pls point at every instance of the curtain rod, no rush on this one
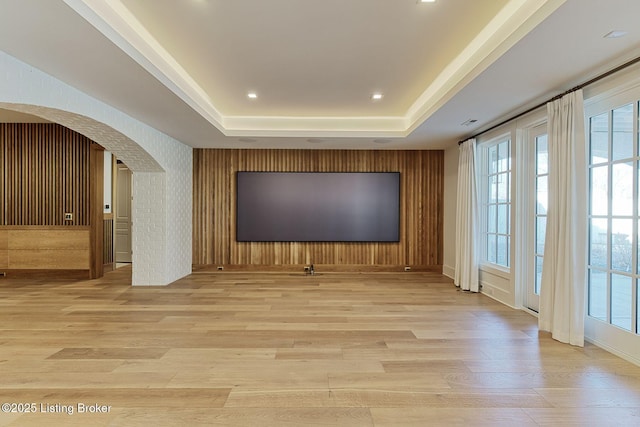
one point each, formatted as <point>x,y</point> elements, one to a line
<point>580,86</point>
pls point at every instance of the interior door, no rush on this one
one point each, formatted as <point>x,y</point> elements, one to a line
<point>123,214</point>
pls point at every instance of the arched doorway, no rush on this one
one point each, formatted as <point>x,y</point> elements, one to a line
<point>162,166</point>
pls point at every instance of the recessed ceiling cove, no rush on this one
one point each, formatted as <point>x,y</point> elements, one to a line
<point>315,64</point>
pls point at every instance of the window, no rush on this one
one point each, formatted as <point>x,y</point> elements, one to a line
<point>496,201</point>
<point>614,266</point>
<point>541,203</point>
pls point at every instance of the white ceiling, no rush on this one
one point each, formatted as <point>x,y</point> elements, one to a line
<point>185,67</point>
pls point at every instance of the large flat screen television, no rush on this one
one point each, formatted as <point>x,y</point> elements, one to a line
<point>318,207</point>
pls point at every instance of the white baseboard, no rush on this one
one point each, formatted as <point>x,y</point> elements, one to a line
<point>448,271</point>
<point>622,355</point>
<point>496,293</point>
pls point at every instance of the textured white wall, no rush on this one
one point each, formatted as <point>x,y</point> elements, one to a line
<point>162,167</point>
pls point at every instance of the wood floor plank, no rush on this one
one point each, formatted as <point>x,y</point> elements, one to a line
<point>279,349</point>
<point>235,417</point>
<point>532,380</point>
<point>122,397</point>
<point>445,417</point>
<point>622,397</point>
<point>299,398</point>
<point>250,381</point>
<point>109,353</point>
<point>372,398</point>
<point>578,417</point>
<point>424,381</point>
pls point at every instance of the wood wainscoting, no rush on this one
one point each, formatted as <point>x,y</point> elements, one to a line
<point>421,209</point>
<point>63,250</point>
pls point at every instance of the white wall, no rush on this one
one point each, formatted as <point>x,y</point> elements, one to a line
<point>162,167</point>
<point>108,182</point>
<point>451,155</point>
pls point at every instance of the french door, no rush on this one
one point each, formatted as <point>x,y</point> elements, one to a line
<point>613,316</point>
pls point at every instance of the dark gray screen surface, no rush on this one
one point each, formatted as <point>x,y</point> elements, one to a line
<point>318,207</point>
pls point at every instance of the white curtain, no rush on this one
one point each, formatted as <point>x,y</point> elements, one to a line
<point>562,291</point>
<point>466,274</point>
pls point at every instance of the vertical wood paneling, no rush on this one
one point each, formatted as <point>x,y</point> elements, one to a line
<point>107,231</point>
<point>95,177</point>
<point>421,207</point>
<point>49,170</point>
<point>46,172</point>
<point>3,174</point>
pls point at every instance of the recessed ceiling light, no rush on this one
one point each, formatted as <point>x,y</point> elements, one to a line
<point>426,1</point>
<point>376,96</point>
<point>252,95</point>
<point>615,34</point>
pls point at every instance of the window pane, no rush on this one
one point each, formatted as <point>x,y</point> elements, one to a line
<point>622,189</point>
<point>493,189</point>
<point>503,251</point>
<point>598,294</point>
<point>598,242</point>
<point>503,187</point>
<point>622,133</point>
<point>491,218</point>
<point>503,156</point>
<point>621,301</point>
<point>599,129</point>
<point>621,252</point>
<point>541,229</point>
<point>538,275</point>
<point>599,190</point>
<point>542,195</point>
<point>491,248</point>
<point>492,156</point>
<point>503,219</point>
<point>542,155</point>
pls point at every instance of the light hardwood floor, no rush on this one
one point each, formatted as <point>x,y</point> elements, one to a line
<point>276,349</point>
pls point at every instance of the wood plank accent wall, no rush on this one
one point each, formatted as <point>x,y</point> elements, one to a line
<point>421,210</point>
<point>47,174</point>
<point>48,170</point>
<point>107,231</point>
<point>3,177</point>
<point>96,204</point>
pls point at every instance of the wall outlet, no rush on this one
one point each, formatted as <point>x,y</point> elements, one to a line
<point>407,268</point>
<point>68,216</point>
<point>220,268</point>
